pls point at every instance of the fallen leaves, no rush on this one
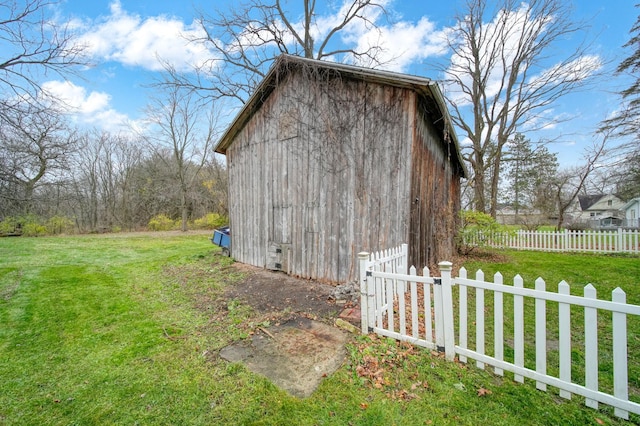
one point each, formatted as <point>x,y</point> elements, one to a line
<point>401,395</point>
<point>484,392</point>
<point>417,385</point>
<point>379,364</point>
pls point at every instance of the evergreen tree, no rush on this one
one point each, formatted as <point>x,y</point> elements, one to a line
<point>529,169</point>
<point>626,123</point>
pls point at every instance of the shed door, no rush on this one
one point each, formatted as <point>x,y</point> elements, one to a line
<point>278,257</point>
<point>279,239</point>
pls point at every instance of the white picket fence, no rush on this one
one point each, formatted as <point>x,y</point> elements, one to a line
<point>594,241</point>
<point>420,309</point>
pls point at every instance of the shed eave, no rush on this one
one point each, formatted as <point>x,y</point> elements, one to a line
<point>253,103</point>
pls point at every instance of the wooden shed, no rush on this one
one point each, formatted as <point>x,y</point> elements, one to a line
<point>326,160</point>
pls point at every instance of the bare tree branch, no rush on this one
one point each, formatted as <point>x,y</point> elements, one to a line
<point>570,182</point>
<point>247,38</point>
<point>33,45</point>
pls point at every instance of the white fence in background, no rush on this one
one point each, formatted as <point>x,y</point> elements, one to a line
<point>595,241</point>
<point>420,309</point>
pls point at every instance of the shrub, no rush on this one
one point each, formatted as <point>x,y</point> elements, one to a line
<point>477,229</point>
<point>28,225</point>
<point>10,225</point>
<point>33,229</point>
<point>210,221</point>
<point>577,226</point>
<point>59,225</point>
<point>161,222</point>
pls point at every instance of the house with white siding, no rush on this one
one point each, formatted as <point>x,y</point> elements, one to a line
<point>632,213</point>
<point>601,210</point>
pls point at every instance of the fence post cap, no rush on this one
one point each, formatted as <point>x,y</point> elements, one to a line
<point>445,265</point>
<point>363,255</point>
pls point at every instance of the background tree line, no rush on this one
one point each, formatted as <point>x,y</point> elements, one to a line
<point>97,182</point>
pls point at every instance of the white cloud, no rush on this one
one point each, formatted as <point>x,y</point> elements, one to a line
<point>85,108</point>
<point>404,43</point>
<point>400,44</point>
<point>134,41</point>
<point>576,70</point>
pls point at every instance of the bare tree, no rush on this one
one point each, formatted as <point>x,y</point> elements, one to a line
<point>32,45</point>
<point>500,79</point>
<point>103,186</point>
<point>568,183</point>
<point>36,147</point>
<point>186,129</point>
<point>246,39</point>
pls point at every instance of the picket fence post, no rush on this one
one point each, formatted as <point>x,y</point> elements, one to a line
<point>366,297</point>
<point>447,311</point>
<point>620,353</point>
<point>620,243</point>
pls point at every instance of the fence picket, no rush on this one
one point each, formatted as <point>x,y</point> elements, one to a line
<point>388,285</point>
<point>541,335</point>
<point>439,316</point>
<point>414,304</point>
<point>401,288</point>
<point>380,301</point>
<point>591,346</point>
<point>462,302</point>
<point>620,371</point>
<point>480,319</point>
<point>428,317</point>
<point>518,328</point>
<point>564,337</point>
<point>447,300</point>
<point>498,324</point>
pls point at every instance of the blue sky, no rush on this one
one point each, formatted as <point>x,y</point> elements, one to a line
<point>127,36</point>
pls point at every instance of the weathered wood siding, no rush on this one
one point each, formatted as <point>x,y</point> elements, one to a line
<point>435,194</point>
<point>322,171</point>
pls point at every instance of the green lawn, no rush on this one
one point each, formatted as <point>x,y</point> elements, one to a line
<point>125,329</point>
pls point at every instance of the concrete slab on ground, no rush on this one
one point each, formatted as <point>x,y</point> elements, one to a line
<point>295,355</point>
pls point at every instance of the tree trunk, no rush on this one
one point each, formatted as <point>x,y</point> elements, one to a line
<point>478,184</point>
<point>183,209</point>
<point>495,180</point>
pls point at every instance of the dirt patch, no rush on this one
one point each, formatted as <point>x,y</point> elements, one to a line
<point>269,291</point>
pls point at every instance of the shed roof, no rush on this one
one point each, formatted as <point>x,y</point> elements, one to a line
<point>284,63</point>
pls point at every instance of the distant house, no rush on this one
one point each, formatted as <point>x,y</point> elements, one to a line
<point>632,213</point>
<point>601,210</point>
<point>326,160</point>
